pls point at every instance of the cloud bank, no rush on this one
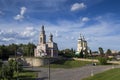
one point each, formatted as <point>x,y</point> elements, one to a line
<point>78,6</point>
<point>11,36</point>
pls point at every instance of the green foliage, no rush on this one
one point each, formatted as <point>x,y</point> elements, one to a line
<point>10,50</point>
<point>7,71</point>
<point>101,51</point>
<point>3,52</point>
<point>13,64</point>
<point>1,63</point>
<point>28,49</point>
<point>80,55</point>
<point>26,75</point>
<point>102,60</point>
<point>69,53</point>
<point>16,66</point>
<point>113,74</point>
<point>68,64</point>
<point>110,59</point>
<point>108,52</point>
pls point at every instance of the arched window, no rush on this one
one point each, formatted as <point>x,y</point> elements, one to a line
<point>40,39</point>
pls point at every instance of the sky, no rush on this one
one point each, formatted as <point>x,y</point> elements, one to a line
<point>97,20</point>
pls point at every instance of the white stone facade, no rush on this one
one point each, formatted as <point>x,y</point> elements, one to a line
<point>44,48</point>
<point>82,44</point>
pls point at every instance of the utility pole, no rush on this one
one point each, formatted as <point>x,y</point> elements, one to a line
<point>49,68</point>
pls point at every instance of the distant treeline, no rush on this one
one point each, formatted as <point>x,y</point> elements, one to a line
<point>16,49</point>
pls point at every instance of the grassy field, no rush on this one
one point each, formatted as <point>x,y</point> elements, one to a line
<point>113,74</point>
<point>68,64</point>
<point>26,74</point>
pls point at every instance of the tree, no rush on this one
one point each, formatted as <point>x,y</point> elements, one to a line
<point>1,63</point>
<point>7,72</point>
<point>102,60</point>
<point>13,64</point>
<point>81,54</point>
<point>108,52</point>
<point>28,49</point>
<point>0,53</point>
<point>11,49</point>
<point>4,52</point>
<point>101,51</point>
<point>16,66</point>
<point>86,53</point>
<point>69,53</point>
<point>91,52</point>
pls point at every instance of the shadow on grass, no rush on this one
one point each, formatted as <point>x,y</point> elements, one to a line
<point>27,78</point>
<point>25,71</point>
<point>107,64</point>
<point>61,62</point>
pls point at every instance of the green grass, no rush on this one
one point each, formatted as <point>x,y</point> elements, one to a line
<point>113,74</point>
<point>68,64</point>
<point>26,74</point>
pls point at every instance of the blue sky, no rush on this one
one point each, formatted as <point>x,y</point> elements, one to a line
<point>97,20</point>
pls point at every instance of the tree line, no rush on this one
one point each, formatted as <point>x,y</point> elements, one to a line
<point>14,49</point>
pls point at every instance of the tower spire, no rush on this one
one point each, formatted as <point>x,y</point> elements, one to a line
<point>42,29</point>
<point>83,38</point>
<point>51,38</point>
<point>42,39</point>
<point>80,36</point>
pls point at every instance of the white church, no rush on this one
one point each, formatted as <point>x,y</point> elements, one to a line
<point>82,45</point>
<point>44,48</point>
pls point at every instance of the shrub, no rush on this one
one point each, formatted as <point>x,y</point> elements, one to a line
<point>102,60</point>
<point>15,65</point>
<point>6,72</point>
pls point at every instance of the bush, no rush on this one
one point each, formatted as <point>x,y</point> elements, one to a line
<point>102,60</point>
<point>6,72</point>
<point>16,66</point>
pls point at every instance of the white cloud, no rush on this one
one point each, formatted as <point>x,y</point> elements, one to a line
<point>18,17</point>
<point>5,36</point>
<point>78,6</point>
<point>10,35</point>
<point>28,32</point>
<point>104,33</point>
<point>7,39</point>
<point>100,34</point>
<point>85,19</point>
<point>57,35</point>
<point>21,15</point>
<point>23,10</point>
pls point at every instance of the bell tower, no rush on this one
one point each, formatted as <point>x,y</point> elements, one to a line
<point>51,38</point>
<point>42,38</point>
<point>82,43</point>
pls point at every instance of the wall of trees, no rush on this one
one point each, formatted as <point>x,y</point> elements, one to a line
<point>13,49</point>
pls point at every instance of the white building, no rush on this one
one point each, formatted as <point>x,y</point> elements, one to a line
<point>44,48</point>
<point>82,45</point>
